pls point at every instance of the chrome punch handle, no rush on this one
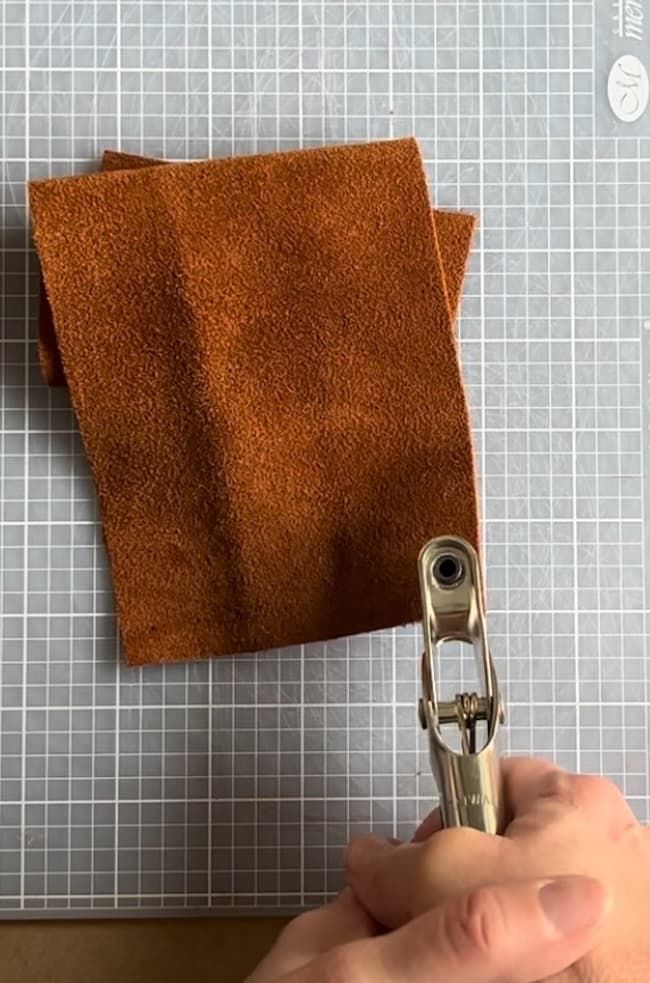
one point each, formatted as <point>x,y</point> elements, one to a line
<point>468,779</point>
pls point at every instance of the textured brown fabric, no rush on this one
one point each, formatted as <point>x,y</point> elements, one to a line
<point>261,357</point>
<point>454,232</point>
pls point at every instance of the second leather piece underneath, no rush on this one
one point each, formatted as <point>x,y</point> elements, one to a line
<point>261,356</point>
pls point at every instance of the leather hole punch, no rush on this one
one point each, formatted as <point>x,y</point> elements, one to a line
<point>452,610</point>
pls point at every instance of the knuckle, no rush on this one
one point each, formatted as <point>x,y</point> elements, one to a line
<point>558,785</point>
<point>445,848</point>
<point>449,865</point>
<point>590,790</point>
<point>423,894</point>
<point>477,925</point>
<point>440,872</point>
<point>576,797</point>
<point>580,790</point>
<point>433,858</point>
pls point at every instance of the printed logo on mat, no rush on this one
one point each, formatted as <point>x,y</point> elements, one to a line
<point>627,84</point>
<point>628,19</point>
<point>627,88</point>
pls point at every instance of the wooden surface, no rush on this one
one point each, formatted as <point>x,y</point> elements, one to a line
<point>196,950</point>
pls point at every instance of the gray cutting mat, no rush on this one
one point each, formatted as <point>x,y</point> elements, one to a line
<point>234,784</point>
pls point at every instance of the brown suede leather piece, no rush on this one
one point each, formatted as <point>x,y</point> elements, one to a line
<point>261,356</point>
<point>454,231</point>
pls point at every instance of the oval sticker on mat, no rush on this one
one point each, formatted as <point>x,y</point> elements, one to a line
<point>627,88</point>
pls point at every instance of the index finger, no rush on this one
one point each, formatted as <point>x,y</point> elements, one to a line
<point>522,781</point>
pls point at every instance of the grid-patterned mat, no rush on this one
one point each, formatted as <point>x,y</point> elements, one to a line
<point>234,784</point>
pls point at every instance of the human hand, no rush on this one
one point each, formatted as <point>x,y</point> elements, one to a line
<point>515,933</point>
<point>557,824</point>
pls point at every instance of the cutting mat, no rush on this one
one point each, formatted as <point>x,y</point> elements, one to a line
<point>234,784</point>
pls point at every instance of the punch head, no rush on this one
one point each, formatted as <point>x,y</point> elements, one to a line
<point>452,610</point>
<point>448,571</point>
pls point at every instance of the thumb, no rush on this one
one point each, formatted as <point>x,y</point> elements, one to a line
<point>518,932</point>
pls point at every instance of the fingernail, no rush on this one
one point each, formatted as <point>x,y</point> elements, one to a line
<point>573,904</point>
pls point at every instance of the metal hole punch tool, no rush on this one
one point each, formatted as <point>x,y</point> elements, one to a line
<point>468,780</point>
